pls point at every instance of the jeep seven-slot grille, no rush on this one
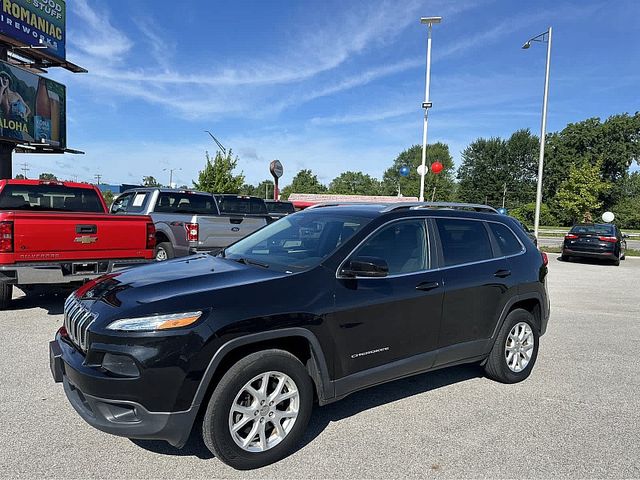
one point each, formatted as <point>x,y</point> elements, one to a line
<point>77,319</point>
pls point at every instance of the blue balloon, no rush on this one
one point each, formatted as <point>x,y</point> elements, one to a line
<point>502,211</point>
<point>404,171</point>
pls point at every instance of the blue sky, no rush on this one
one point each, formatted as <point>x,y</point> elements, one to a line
<point>327,85</point>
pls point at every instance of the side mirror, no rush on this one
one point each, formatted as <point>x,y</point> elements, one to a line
<point>371,267</point>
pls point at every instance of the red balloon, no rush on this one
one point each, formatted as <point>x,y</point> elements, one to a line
<point>436,167</point>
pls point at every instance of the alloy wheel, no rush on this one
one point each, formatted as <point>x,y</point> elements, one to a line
<point>519,347</point>
<point>264,411</point>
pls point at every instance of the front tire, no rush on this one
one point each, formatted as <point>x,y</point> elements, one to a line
<point>515,350</point>
<point>259,410</point>
<point>6,293</point>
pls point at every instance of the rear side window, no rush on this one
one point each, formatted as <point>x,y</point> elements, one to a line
<point>184,202</point>
<point>507,241</point>
<point>58,198</point>
<point>133,202</point>
<point>463,241</point>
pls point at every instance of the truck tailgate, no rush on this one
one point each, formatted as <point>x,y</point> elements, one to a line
<point>68,235</point>
<point>224,230</point>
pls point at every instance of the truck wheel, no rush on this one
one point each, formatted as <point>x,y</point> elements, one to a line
<point>515,350</point>
<point>164,251</point>
<point>259,410</point>
<point>6,292</point>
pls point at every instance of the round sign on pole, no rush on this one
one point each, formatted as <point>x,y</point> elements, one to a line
<point>422,168</point>
<point>608,217</point>
<point>404,171</point>
<point>276,168</point>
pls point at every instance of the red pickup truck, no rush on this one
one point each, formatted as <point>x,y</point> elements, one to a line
<point>60,232</point>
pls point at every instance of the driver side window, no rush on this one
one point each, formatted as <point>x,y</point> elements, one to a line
<point>402,244</point>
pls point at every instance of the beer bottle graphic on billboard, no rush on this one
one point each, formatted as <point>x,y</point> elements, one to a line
<point>42,121</point>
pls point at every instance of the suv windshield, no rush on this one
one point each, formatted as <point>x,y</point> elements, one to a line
<point>593,230</point>
<point>50,197</point>
<point>296,242</point>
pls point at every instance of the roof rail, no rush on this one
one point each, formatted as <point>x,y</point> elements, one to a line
<point>444,205</point>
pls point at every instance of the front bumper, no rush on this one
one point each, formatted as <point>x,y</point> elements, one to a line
<point>64,271</point>
<point>124,418</point>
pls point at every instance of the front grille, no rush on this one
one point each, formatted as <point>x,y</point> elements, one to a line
<point>77,319</point>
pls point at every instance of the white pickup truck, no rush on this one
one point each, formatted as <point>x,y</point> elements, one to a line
<point>186,221</point>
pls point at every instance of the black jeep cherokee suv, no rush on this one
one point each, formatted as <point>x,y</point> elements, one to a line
<point>316,306</point>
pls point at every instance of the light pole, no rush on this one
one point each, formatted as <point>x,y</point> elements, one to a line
<point>171,170</point>
<point>426,104</point>
<point>544,37</point>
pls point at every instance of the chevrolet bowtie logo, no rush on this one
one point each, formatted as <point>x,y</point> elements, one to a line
<point>85,239</point>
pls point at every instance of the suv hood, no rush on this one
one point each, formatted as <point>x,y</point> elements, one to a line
<point>158,284</point>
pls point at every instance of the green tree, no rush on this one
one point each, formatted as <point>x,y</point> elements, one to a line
<point>218,176</point>
<point>355,183</point>
<point>627,208</point>
<point>493,169</point>
<point>20,177</point>
<point>614,144</point>
<point>526,214</point>
<point>264,189</point>
<point>108,197</point>
<point>150,182</point>
<point>247,189</point>
<point>409,186</point>
<point>47,176</point>
<point>305,181</point>
<point>579,195</point>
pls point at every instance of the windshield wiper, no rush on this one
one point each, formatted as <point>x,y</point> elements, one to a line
<point>249,261</point>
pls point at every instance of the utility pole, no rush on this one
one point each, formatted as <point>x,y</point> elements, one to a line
<point>427,103</point>
<point>171,170</point>
<point>97,176</point>
<point>544,37</point>
<point>25,168</point>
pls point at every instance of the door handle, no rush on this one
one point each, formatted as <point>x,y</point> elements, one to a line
<point>502,273</point>
<point>426,286</point>
<point>86,229</point>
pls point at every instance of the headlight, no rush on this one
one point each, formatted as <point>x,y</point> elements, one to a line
<point>155,322</point>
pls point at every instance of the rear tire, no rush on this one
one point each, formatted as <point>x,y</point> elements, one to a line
<point>239,425</point>
<point>6,293</point>
<point>164,251</point>
<point>565,258</point>
<point>515,350</point>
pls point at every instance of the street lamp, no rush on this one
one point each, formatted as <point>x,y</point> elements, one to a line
<point>544,37</point>
<point>171,170</point>
<point>426,104</point>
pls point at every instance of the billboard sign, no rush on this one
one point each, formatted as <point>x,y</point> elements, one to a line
<point>32,108</point>
<point>35,23</point>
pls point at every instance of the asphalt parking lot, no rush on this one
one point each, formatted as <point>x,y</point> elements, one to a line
<point>576,416</point>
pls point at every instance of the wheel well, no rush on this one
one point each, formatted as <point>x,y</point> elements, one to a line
<point>531,305</point>
<point>297,346</point>
<point>161,237</point>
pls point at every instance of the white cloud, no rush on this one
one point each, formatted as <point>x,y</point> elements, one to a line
<point>99,38</point>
